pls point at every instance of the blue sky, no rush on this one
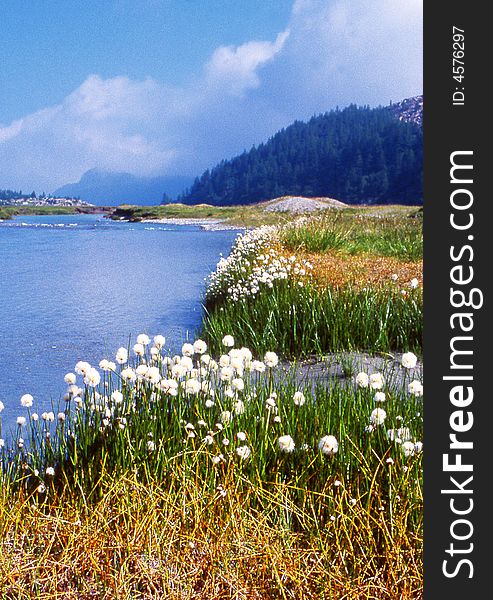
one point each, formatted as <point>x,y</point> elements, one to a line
<point>172,86</point>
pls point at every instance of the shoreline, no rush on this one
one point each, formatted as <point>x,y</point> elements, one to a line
<point>204,223</point>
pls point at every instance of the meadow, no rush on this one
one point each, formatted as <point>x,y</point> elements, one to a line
<point>220,472</point>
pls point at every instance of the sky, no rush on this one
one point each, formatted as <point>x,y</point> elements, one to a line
<point>171,87</point>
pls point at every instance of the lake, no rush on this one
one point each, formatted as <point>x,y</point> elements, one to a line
<point>77,287</point>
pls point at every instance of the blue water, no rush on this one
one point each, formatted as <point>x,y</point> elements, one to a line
<point>77,287</point>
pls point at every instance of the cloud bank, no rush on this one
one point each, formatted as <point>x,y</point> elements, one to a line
<point>332,52</point>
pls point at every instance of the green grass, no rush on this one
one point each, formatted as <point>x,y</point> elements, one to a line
<point>355,233</point>
<point>307,321</point>
<point>7,212</point>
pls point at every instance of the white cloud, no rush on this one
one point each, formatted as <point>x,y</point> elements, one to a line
<point>235,68</point>
<point>333,52</point>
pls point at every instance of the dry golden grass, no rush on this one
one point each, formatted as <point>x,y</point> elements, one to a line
<point>145,542</point>
<point>340,269</point>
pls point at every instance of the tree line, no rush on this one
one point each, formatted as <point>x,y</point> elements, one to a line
<point>357,155</point>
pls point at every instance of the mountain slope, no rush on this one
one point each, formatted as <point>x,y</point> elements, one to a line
<point>358,155</point>
<point>103,187</point>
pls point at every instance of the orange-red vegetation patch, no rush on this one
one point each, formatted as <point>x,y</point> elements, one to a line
<point>340,269</point>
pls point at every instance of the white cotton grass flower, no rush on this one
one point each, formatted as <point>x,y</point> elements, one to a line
<point>200,347</point>
<point>209,440</point>
<point>376,381</point>
<point>378,416</point>
<point>34,417</point>
<point>379,397</point>
<point>50,472</point>
<point>328,445</point>
<point>121,356</point>
<point>187,350</point>
<point>258,366</point>
<point>241,435</point>
<point>2,443</point>
<point>139,349</point>
<point>151,446</point>
<point>238,384</point>
<point>92,377</point>
<point>362,380</point>
<point>48,416</point>
<point>21,421</point>
<point>218,459</point>
<point>409,360</point>
<point>2,406</point>
<point>117,397</point>
<point>82,367</point>
<point>277,419</point>
<point>286,443</point>
<point>128,374</point>
<point>407,449</point>
<point>143,339</point>
<point>299,398</point>
<point>414,283</point>
<point>159,341</point>
<point>27,401</point>
<point>271,359</point>
<point>70,378</point>
<point>418,447</point>
<point>415,388</point>
<point>61,417</point>
<point>400,435</point>
<point>228,341</point>
<point>243,452</point>
<point>225,416</point>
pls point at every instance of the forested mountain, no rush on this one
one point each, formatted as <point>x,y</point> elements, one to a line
<point>357,155</point>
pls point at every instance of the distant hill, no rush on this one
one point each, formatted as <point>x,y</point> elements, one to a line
<point>111,189</point>
<point>357,155</point>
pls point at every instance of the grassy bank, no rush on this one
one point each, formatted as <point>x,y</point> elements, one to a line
<point>328,283</point>
<point>8,212</point>
<point>191,477</point>
<point>218,472</point>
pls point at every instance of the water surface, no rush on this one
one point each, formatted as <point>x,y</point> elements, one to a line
<point>76,287</point>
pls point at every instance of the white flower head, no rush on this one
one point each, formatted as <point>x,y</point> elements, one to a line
<point>139,349</point>
<point>379,397</point>
<point>121,356</point>
<point>82,367</point>
<point>21,421</point>
<point>159,341</point>
<point>143,339</point>
<point>407,448</point>
<point>409,360</point>
<point>378,416</point>
<point>243,452</point>
<point>50,472</point>
<point>286,443</point>
<point>187,350</point>
<point>228,341</point>
<point>362,380</point>
<point>70,378</point>
<point>376,381</point>
<point>299,399</point>
<point>271,359</point>
<point>328,445</point>
<point>199,347</point>
<point>2,406</point>
<point>27,400</point>
<point>415,388</point>
<point>414,283</point>
<point>92,377</point>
